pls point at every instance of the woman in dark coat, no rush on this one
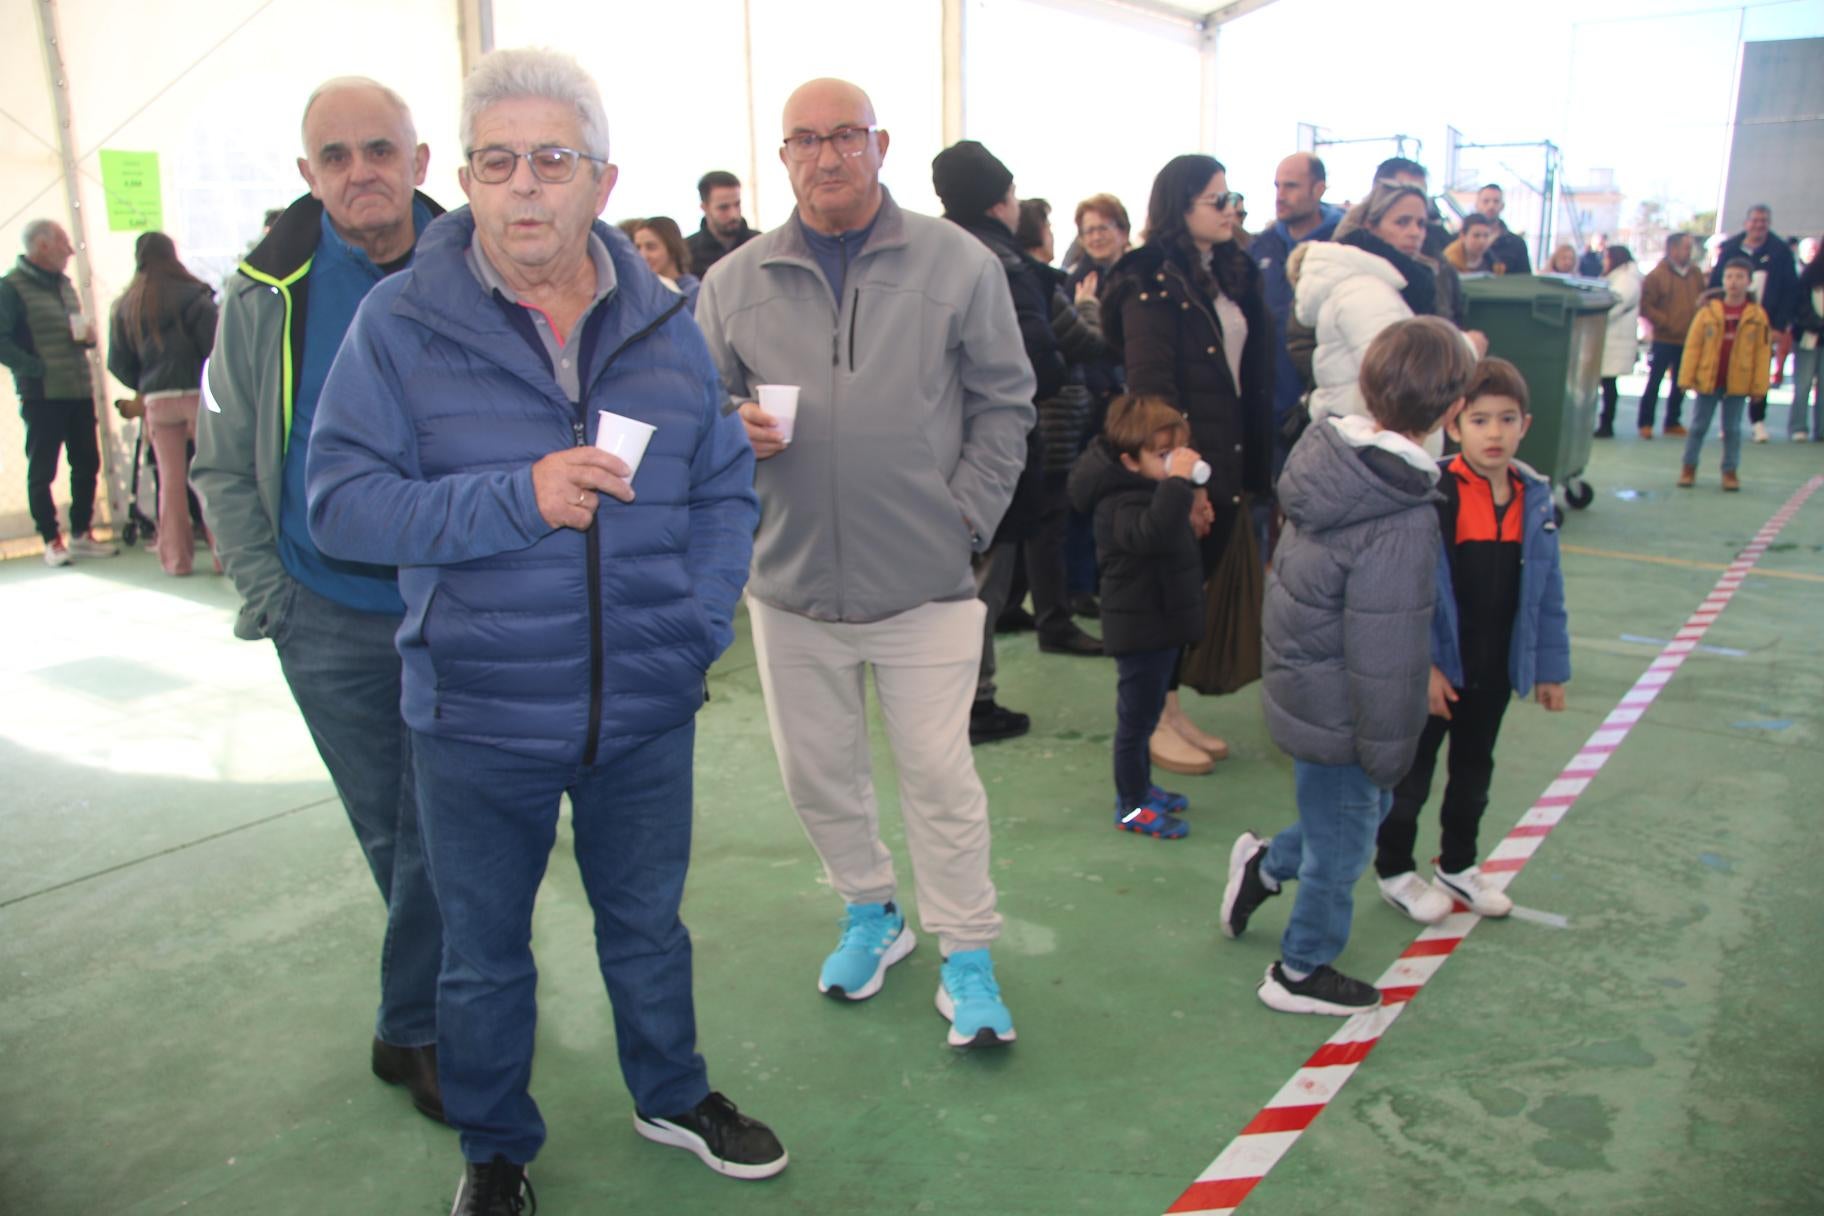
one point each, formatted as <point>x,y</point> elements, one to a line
<point>1186,313</point>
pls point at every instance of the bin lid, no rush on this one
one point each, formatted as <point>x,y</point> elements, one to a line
<point>1553,292</point>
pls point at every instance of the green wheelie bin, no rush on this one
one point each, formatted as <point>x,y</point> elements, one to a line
<point>1551,327</point>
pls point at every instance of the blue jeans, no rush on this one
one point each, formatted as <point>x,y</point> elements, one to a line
<point>1701,414</point>
<point>1141,683</point>
<point>490,818</point>
<point>344,675</point>
<point>1807,387</point>
<point>1339,813</point>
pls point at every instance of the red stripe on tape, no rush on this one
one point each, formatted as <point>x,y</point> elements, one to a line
<point>1332,1054</point>
<point>1214,1195</point>
<point>1282,1119</point>
<point>1427,947</point>
<point>1395,996</point>
<point>1533,829</point>
<point>1503,865</point>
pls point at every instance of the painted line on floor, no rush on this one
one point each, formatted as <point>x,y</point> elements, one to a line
<point>1685,563</point>
<point>1240,1167</point>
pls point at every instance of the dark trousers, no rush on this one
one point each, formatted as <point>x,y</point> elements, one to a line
<point>1141,682</point>
<point>1473,726</point>
<point>490,819</point>
<point>1662,364</point>
<point>344,674</point>
<point>1611,394</point>
<point>1045,570</point>
<point>50,427</point>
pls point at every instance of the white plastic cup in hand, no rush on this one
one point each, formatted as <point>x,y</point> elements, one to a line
<point>781,401</point>
<point>1200,472</point>
<point>79,327</point>
<point>624,437</point>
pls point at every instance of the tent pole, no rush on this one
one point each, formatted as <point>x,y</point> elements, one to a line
<point>953,71</point>
<point>57,81</point>
<point>475,26</point>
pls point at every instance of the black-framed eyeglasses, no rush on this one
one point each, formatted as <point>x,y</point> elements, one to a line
<point>553,166</point>
<point>848,141</point>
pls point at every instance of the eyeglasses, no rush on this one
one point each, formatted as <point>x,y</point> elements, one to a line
<point>553,166</point>
<point>1221,202</point>
<point>1095,230</point>
<point>848,141</point>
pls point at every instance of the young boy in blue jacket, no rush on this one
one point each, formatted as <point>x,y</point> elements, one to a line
<point>1499,631</point>
<point>1346,649</point>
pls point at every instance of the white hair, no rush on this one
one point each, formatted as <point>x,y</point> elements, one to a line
<point>36,231</point>
<point>540,73</point>
<point>336,84</point>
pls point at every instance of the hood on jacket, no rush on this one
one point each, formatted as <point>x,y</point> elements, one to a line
<point>1099,473</point>
<point>1328,265</point>
<point>1717,294</point>
<point>294,236</point>
<point>1348,472</point>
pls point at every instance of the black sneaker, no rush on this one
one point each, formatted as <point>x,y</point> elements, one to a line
<point>1014,619</point>
<point>1086,606</point>
<point>723,1138</point>
<point>498,1188</point>
<point>1075,642</point>
<point>1245,891</point>
<point>1325,990</point>
<point>990,723</point>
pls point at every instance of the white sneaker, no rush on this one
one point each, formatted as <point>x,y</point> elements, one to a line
<point>1801,436</point>
<point>1474,889</point>
<point>1760,432</point>
<point>86,545</point>
<point>1416,898</point>
<point>56,553</point>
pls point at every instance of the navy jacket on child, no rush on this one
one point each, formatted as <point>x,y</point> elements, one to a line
<point>1152,574</point>
<point>1540,652</point>
<point>1346,643</point>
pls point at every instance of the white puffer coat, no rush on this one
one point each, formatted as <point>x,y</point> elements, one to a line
<point>1621,344</point>
<point>1347,295</point>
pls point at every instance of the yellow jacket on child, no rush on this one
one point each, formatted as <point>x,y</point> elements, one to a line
<point>1749,358</point>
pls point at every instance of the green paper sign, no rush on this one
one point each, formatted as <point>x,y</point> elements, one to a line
<point>130,180</point>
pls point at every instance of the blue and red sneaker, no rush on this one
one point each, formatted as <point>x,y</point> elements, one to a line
<point>1151,819</point>
<point>1166,800</point>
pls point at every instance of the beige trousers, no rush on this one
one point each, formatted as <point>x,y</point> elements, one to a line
<point>814,676</point>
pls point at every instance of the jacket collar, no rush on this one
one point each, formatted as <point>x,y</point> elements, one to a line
<point>788,243</point>
<point>48,278</point>
<point>295,235</point>
<point>1329,216</point>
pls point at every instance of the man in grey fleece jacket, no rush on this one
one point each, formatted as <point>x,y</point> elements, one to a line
<point>915,398</point>
<point>1347,648</point>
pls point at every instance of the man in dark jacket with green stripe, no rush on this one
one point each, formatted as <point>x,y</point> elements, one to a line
<point>46,340</point>
<point>283,319</point>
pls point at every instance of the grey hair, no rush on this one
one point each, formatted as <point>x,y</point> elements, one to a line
<point>1385,195</point>
<point>1764,209</point>
<point>36,231</point>
<point>538,73</point>
<point>337,83</point>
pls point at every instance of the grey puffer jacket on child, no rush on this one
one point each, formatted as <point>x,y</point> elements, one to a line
<point>1347,630</point>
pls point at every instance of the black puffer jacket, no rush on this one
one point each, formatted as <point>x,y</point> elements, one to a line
<point>1167,334</point>
<point>172,360</point>
<point>1152,570</point>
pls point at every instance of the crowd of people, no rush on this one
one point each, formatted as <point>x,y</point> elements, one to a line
<point>407,444</point>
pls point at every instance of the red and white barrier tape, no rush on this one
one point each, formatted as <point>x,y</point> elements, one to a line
<point>1239,1168</point>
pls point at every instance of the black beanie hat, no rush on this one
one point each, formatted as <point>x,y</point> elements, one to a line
<point>969,179</point>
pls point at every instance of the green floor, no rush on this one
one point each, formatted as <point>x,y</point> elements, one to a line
<point>188,936</point>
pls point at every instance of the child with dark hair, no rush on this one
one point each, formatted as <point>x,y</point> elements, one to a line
<point>1137,481</point>
<point>1347,651</point>
<point>1727,353</point>
<point>1499,631</point>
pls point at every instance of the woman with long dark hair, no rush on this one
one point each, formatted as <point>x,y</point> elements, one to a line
<point>1186,313</point>
<point>163,328</point>
<point>1807,420</point>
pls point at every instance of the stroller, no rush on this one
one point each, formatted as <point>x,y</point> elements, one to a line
<point>138,522</point>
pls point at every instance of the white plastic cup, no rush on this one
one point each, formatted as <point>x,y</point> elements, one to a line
<point>624,437</point>
<point>79,327</point>
<point>781,401</point>
<point>1200,472</point>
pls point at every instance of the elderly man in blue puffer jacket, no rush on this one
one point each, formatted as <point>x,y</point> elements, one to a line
<point>561,607</point>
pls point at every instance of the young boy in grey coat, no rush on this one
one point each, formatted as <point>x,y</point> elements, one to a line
<point>1347,650</point>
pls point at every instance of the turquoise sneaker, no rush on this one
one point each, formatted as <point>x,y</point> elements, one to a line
<point>874,937</point>
<point>969,997</point>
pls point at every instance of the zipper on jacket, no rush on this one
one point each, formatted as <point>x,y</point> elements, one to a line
<point>854,311</point>
<point>579,430</point>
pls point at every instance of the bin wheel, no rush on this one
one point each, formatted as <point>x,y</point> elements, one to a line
<point>130,534</point>
<point>1557,515</point>
<point>1578,494</point>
